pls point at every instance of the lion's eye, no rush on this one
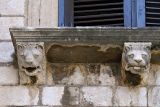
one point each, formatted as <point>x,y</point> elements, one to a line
<point>144,55</point>
<point>36,55</point>
<point>22,55</point>
<point>131,55</point>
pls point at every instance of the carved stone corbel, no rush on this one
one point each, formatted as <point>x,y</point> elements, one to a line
<point>31,62</point>
<point>135,63</point>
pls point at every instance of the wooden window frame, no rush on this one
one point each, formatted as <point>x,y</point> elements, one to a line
<point>134,13</point>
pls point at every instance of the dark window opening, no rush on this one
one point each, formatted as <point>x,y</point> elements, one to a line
<point>98,13</point>
<point>152,12</point>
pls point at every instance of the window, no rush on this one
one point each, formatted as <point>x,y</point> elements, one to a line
<point>127,13</point>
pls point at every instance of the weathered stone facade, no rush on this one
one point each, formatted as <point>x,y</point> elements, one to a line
<point>66,84</point>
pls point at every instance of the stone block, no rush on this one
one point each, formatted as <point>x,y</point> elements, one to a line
<point>52,95</point>
<point>154,75</point>
<point>125,96</point>
<point>96,96</point>
<point>9,75</point>
<point>154,97</point>
<point>60,96</point>
<point>6,52</point>
<point>6,23</point>
<point>18,95</point>
<point>12,7</point>
<point>70,96</point>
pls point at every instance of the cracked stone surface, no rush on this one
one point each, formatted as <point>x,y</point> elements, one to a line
<point>96,96</point>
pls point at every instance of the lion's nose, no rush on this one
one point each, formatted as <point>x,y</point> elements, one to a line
<point>138,60</point>
<point>29,59</point>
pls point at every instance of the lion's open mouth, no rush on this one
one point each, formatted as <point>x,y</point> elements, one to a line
<point>137,67</point>
<point>31,69</point>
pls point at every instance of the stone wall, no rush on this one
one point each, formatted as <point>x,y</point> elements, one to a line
<point>78,85</point>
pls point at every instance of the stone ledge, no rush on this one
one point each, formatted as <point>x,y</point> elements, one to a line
<point>87,44</point>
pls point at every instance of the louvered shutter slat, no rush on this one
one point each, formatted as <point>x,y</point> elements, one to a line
<point>98,13</point>
<point>152,12</point>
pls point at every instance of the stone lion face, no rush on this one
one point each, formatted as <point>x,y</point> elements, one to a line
<point>30,58</point>
<point>136,57</point>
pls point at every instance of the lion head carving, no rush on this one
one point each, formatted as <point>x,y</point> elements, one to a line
<point>136,59</point>
<point>30,58</point>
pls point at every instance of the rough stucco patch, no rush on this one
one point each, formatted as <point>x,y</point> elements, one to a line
<point>71,74</point>
<point>82,74</point>
<point>96,96</point>
<point>154,97</point>
<point>101,75</point>
<point>125,96</point>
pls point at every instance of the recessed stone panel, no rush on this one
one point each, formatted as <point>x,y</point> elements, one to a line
<point>83,53</point>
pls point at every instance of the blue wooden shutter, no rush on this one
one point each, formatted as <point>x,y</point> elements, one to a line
<point>138,13</point>
<point>65,13</point>
<point>61,13</point>
<point>127,13</point>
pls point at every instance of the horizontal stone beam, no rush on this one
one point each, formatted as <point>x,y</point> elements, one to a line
<point>87,44</point>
